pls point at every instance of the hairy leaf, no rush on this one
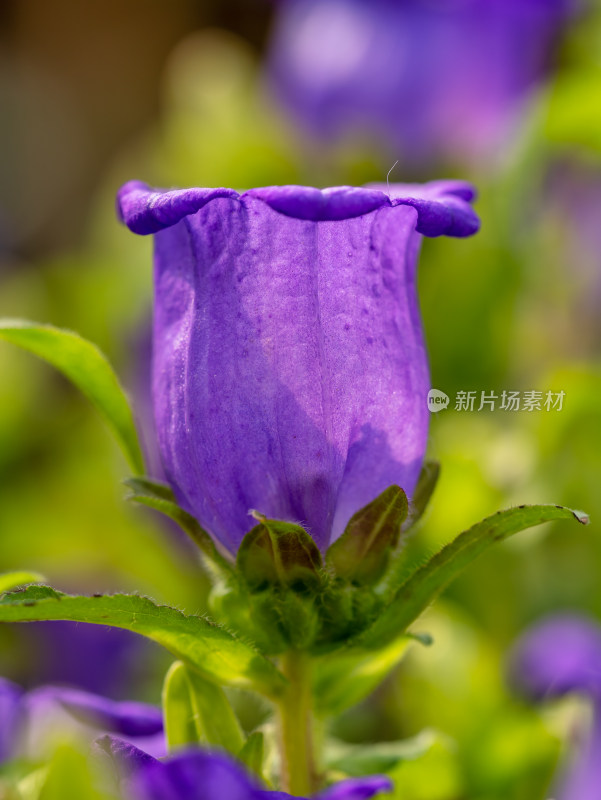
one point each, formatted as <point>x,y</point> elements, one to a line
<point>160,497</point>
<point>205,645</point>
<point>426,583</point>
<point>10,580</point>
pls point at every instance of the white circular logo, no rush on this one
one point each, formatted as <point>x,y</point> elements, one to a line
<point>437,400</point>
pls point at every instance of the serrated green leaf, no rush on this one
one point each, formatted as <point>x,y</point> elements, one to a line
<point>198,641</point>
<point>160,497</point>
<point>278,553</point>
<point>426,583</point>
<point>178,714</point>
<point>85,366</point>
<point>10,580</point>
<point>345,678</point>
<point>426,484</point>
<point>252,753</point>
<point>362,552</point>
<point>214,717</point>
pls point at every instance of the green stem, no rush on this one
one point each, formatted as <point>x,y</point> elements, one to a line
<point>296,724</point>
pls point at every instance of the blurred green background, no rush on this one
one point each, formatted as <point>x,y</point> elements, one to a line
<point>94,94</point>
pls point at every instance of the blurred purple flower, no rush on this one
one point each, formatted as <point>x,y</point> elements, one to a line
<point>572,198</point>
<point>26,718</point>
<point>203,775</point>
<point>430,77</point>
<point>290,372</point>
<point>11,719</point>
<point>98,659</point>
<point>562,655</point>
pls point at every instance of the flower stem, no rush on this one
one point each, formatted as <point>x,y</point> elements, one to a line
<point>296,724</point>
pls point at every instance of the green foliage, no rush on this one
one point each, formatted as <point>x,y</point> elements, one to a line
<point>160,497</point>
<point>356,760</point>
<point>198,711</point>
<point>83,364</point>
<point>198,641</point>
<point>10,580</point>
<point>214,717</point>
<point>70,776</point>
<point>346,677</point>
<point>362,553</point>
<point>252,753</point>
<point>178,714</point>
<point>421,588</point>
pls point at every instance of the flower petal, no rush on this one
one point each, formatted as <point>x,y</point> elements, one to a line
<point>11,718</point>
<point>357,788</point>
<point>443,206</point>
<point>126,758</point>
<point>559,655</point>
<point>126,718</point>
<point>193,775</point>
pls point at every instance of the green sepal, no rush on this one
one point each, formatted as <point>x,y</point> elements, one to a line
<point>198,641</point>
<point>344,611</point>
<point>252,753</point>
<point>276,553</point>
<point>160,497</point>
<point>426,484</point>
<point>281,619</point>
<point>362,553</point>
<point>428,581</point>
<point>178,714</point>
<point>10,580</point>
<point>232,603</point>
<point>85,366</point>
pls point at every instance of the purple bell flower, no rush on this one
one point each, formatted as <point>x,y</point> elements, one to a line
<point>204,775</point>
<point>430,77</point>
<point>290,371</point>
<point>562,655</point>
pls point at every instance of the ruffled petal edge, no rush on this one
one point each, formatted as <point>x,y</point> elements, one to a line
<point>443,207</point>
